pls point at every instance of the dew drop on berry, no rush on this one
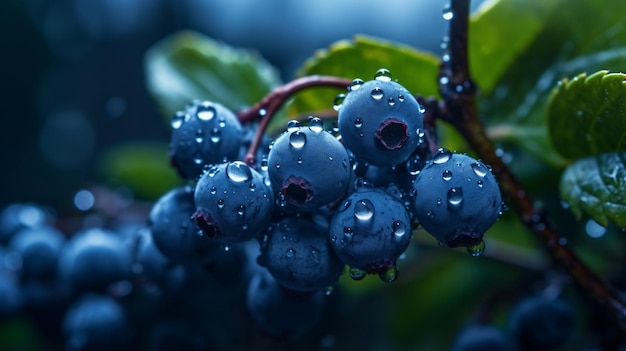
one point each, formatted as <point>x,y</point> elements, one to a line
<point>364,210</point>
<point>197,158</point>
<point>442,155</point>
<point>178,120</point>
<point>399,229</point>
<point>430,214</point>
<point>221,122</point>
<point>455,197</point>
<point>338,101</point>
<point>238,172</point>
<point>316,125</point>
<point>264,166</point>
<point>290,253</point>
<point>348,233</point>
<point>277,165</point>
<point>199,136</point>
<point>358,123</point>
<point>480,183</point>
<point>477,249</point>
<point>479,169</point>
<point>297,139</point>
<point>400,97</point>
<point>447,13</point>
<point>215,135</point>
<point>345,205</point>
<point>241,210</point>
<point>421,108</point>
<point>329,290</point>
<point>390,275</point>
<point>205,112</point>
<point>447,175</point>
<point>293,126</point>
<point>356,84</point>
<point>356,273</point>
<point>299,160</point>
<point>213,190</point>
<point>220,203</point>
<point>212,171</point>
<point>383,75</point>
<point>391,101</point>
<point>377,93</point>
<point>252,187</point>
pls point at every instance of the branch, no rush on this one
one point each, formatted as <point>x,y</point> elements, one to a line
<point>267,107</point>
<point>459,109</point>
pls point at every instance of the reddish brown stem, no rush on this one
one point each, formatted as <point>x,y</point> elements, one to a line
<point>459,109</point>
<point>267,107</point>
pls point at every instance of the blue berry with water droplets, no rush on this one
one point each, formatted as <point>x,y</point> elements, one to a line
<point>370,229</point>
<point>456,199</point>
<point>381,122</point>
<point>297,253</point>
<point>308,167</point>
<point>233,202</point>
<point>203,133</point>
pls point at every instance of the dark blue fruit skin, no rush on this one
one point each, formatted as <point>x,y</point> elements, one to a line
<point>312,174</point>
<point>174,232</point>
<point>361,116</point>
<point>197,141</point>
<point>540,323</point>
<point>372,244</point>
<point>17,216</point>
<point>10,294</point>
<point>93,259</point>
<point>233,203</point>
<point>297,253</point>
<point>39,247</point>
<point>479,337</point>
<point>279,312</point>
<point>95,322</point>
<point>453,224</point>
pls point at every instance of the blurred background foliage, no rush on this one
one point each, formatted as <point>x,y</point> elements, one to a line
<point>92,84</point>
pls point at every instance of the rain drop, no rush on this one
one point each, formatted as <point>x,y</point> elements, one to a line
<point>345,205</point>
<point>455,197</point>
<point>377,93</point>
<point>220,203</point>
<point>361,183</point>
<point>316,125</point>
<point>348,233</point>
<point>442,155</point>
<point>390,275</point>
<point>358,123</point>
<point>421,108</point>
<point>391,101</point>
<point>447,175</point>
<point>293,126</point>
<point>221,122</point>
<point>399,229</point>
<point>205,112</point>
<point>197,158</point>
<point>297,139</point>
<point>199,136</point>
<point>356,84</point>
<point>241,210</point>
<point>213,171</point>
<point>238,172</point>
<point>338,101</point>
<point>215,135</point>
<point>364,210</point>
<point>213,190</point>
<point>447,13</point>
<point>357,273</point>
<point>262,112</point>
<point>479,169</point>
<point>299,160</point>
<point>290,253</point>
<point>477,249</point>
<point>178,120</point>
<point>383,75</point>
<point>252,187</point>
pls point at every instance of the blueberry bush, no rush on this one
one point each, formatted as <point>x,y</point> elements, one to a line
<point>385,197</point>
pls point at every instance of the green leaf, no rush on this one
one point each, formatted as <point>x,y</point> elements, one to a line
<point>361,57</point>
<point>189,65</point>
<point>492,29</point>
<point>586,115</point>
<point>596,186</point>
<point>142,167</point>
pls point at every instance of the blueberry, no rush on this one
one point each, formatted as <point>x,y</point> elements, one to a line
<point>39,248</point>
<point>482,337</point>
<point>297,253</point>
<point>203,133</point>
<point>10,294</point>
<point>233,202</point>
<point>174,232</point>
<point>308,167</point>
<point>456,199</point>
<point>381,122</point>
<point>369,231</point>
<point>541,323</point>
<point>17,216</point>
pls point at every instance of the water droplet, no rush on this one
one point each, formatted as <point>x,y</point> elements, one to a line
<point>477,249</point>
<point>356,84</point>
<point>447,175</point>
<point>215,135</point>
<point>391,101</point>
<point>316,125</point>
<point>262,112</point>
<point>333,238</point>
<point>282,201</point>
<point>252,187</point>
<point>361,183</point>
<point>377,93</point>
<point>264,166</point>
<point>443,80</point>
<point>221,122</point>
<point>178,119</point>
<point>338,101</point>
<point>205,111</point>
<point>480,169</point>
<point>383,75</point>
<point>345,205</point>
<point>479,183</point>
<point>421,108</point>
<point>220,203</point>
<point>226,247</point>
<point>442,155</point>
<point>390,275</point>
<point>241,210</point>
<point>399,229</point>
<point>213,170</point>
<point>297,139</point>
<point>199,136</point>
<point>197,158</point>
<point>213,190</point>
<point>293,126</point>
<point>238,172</point>
<point>414,165</point>
<point>277,165</point>
<point>329,290</point>
<point>358,123</point>
<point>455,197</point>
<point>438,202</point>
<point>348,233</point>
<point>447,13</point>
<point>299,160</point>
<point>364,210</point>
<point>357,273</point>
<point>430,214</point>
<point>290,253</point>
<point>400,97</point>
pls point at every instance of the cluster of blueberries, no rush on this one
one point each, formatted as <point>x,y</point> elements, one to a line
<point>277,233</point>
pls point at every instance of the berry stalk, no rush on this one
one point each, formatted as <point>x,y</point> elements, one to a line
<point>459,109</point>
